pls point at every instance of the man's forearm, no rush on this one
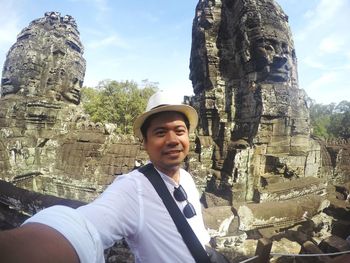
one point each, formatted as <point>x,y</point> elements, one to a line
<point>35,242</point>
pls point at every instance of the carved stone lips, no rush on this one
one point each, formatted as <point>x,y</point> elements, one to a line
<point>5,81</point>
<point>75,92</point>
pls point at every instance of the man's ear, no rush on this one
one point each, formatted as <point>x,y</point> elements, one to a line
<point>144,144</point>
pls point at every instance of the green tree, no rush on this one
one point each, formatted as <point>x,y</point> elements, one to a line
<point>345,124</point>
<point>320,119</point>
<point>331,121</point>
<point>343,108</point>
<point>117,102</point>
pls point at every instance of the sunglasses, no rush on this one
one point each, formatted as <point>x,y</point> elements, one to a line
<point>180,195</point>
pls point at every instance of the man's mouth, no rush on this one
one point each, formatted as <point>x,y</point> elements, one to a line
<point>172,152</point>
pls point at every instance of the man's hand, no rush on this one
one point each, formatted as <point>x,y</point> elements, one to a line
<point>35,242</point>
<point>341,259</point>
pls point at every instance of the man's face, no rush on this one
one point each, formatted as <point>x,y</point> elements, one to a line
<point>167,142</point>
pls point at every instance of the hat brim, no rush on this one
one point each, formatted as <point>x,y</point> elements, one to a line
<point>187,110</point>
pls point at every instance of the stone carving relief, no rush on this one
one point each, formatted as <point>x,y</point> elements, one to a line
<point>47,143</point>
<point>244,75</point>
<point>46,61</point>
<point>265,171</point>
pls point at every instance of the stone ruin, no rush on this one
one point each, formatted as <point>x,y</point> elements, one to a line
<point>48,144</point>
<point>261,172</point>
<point>243,70</point>
<point>254,142</point>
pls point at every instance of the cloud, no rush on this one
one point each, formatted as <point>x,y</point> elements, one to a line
<point>8,32</point>
<point>109,41</point>
<point>332,44</point>
<point>322,47</point>
<point>102,5</point>
<point>101,9</point>
<point>328,87</point>
<point>149,17</point>
<point>326,12</point>
<point>327,16</point>
<point>180,87</point>
<point>9,23</point>
<point>311,62</point>
<point>9,28</point>
<point>323,80</point>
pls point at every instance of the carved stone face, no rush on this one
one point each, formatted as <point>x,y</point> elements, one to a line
<point>9,84</point>
<point>267,44</point>
<point>272,58</point>
<point>65,79</point>
<point>71,89</point>
<point>46,61</point>
<point>19,71</point>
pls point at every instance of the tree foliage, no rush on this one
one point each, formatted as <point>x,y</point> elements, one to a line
<point>117,102</point>
<point>331,121</point>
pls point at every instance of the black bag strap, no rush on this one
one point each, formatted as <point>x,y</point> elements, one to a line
<point>189,237</point>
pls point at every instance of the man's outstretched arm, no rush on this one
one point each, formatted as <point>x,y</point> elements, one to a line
<point>35,242</point>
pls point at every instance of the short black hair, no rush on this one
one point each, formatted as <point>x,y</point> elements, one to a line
<point>148,121</point>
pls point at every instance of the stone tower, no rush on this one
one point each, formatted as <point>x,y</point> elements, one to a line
<point>244,74</point>
<point>46,61</point>
<point>47,143</point>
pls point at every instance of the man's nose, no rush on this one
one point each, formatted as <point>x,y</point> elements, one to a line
<point>171,138</point>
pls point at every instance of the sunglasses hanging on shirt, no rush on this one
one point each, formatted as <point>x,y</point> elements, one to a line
<point>181,195</point>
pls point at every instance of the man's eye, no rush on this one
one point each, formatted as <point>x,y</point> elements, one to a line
<point>160,133</point>
<point>180,131</point>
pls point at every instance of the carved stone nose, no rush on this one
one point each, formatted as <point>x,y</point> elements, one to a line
<point>5,81</point>
<point>279,61</point>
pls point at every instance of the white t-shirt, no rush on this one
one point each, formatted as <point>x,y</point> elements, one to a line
<point>131,208</point>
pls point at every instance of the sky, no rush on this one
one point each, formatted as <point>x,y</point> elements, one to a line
<point>151,40</point>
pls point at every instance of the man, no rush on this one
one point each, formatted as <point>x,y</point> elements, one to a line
<point>130,207</point>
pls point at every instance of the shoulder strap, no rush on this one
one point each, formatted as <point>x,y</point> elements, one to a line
<point>189,237</point>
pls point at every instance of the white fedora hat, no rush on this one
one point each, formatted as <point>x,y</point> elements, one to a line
<point>160,102</point>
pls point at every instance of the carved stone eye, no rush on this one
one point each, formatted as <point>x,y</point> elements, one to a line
<point>269,48</point>
<point>285,48</point>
